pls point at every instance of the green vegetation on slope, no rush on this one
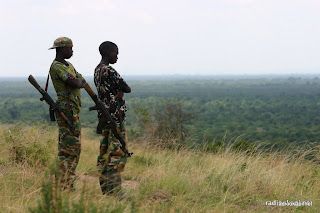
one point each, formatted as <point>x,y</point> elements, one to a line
<point>155,179</point>
<point>261,109</point>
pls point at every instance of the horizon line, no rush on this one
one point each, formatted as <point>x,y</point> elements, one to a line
<point>193,75</point>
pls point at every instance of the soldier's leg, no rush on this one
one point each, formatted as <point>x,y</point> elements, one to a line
<point>103,158</point>
<point>111,180</point>
<point>116,163</point>
<point>68,153</point>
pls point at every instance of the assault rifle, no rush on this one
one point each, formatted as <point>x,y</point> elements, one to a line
<point>50,102</point>
<point>107,116</point>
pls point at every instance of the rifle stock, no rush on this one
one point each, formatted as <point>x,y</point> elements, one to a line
<point>106,114</point>
<point>50,101</point>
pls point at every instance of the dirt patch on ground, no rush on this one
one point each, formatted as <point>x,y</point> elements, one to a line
<point>130,184</point>
<point>91,181</point>
<point>160,196</point>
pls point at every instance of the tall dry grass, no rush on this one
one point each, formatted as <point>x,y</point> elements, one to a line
<point>160,180</point>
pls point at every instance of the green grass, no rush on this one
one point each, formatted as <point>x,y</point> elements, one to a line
<point>155,179</point>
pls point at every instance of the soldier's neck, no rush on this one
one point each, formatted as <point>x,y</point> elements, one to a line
<point>104,61</point>
<point>61,60</point>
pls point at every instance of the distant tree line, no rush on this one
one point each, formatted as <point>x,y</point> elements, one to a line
<point>279,110</point>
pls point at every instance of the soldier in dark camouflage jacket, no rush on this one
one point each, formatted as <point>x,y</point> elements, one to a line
<point>110,86</point>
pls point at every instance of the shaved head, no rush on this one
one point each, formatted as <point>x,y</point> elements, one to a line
<point>106,47</point>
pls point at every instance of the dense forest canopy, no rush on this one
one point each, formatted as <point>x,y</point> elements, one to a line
<point>202,109</point>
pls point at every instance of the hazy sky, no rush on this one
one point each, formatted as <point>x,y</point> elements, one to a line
<point>155,37</point>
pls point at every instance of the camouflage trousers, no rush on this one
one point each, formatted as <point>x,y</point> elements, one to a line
<point>69,149</point>
<point>111,161</point>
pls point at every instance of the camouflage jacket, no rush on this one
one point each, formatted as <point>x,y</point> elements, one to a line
<point>108,83</point>
<point>68,98</point>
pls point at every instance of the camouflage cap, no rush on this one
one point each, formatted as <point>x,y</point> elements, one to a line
<point>62,42</point>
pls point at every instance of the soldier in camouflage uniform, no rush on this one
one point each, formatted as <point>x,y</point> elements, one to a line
<point>67,83</point>
<point>110,86</point>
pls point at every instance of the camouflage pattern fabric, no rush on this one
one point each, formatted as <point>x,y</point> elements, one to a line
<point>107,81</point>
<point>68,97</point>
<point>69,147</point>
<point>62,42</point>
<point>111,160</point>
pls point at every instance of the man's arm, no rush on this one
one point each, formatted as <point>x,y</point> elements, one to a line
<point>76,82</point>
<point>124,87</point>
<point>61,72</point>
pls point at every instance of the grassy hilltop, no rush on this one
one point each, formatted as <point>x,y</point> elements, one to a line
<point>155,179</point>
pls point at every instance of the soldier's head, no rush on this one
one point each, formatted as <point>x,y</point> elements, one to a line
<point>63,46</point>
<point>109,51</point>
